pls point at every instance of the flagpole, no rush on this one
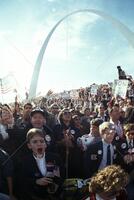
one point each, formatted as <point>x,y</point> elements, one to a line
<point>2,98</point>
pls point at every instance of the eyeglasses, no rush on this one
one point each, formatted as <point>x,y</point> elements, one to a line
<point>66,113</point>
<point>130,132</point>
<point>77,119</point>
<point>110,130</point>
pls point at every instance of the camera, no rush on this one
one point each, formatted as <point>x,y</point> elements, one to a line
<point>52,187</point>
<point>121,73</point>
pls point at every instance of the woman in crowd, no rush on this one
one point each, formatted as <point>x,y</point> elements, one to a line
<point>66,142</point>
<point>109,184</point>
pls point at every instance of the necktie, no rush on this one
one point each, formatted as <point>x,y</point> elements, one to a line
<point>130,145</point>
<point>108,155</point>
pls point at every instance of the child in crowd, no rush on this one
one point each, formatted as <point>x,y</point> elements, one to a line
<point>40,174</point>
<point>102,153</point>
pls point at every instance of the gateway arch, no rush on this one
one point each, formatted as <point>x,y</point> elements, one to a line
<point>123,29</point>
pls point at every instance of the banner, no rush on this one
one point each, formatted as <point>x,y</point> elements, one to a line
<point>94,89</point>
<point>74,94</point>
<point>121,88</point>
<point>65,95</point>
<point>114,85</point>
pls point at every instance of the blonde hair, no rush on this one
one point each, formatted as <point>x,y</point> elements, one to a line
<point>109,179</point>
<point>104,126</point>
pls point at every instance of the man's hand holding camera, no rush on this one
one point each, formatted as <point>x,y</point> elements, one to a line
<point>44,181</point>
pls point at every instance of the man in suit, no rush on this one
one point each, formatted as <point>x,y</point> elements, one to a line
<point>126,156</point>
<point>101,154</point>
<point>126,148</point>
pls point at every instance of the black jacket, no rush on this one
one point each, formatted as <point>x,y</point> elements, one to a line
<point>29,173</point>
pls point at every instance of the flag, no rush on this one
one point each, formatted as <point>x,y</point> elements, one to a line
<point>49,93</point>
<point>8,84</point>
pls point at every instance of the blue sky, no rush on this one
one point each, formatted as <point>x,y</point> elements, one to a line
<point>84,49</point>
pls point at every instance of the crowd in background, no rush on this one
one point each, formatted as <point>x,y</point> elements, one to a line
<point>77,130</point>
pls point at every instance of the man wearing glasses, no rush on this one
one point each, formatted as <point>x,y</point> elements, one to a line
<point>101,154</point>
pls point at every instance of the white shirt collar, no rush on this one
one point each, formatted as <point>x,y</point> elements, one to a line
<point>105,143</point>
<point>37,158</point>
<point>99,198</point>
<point>41,163</point>
<point>128,141</point>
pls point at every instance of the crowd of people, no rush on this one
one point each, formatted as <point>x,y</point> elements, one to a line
<point>86,142</point>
